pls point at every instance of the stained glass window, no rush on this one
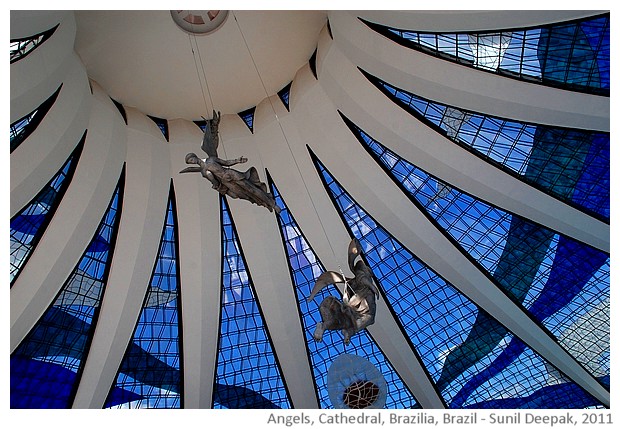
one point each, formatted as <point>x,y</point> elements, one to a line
<point>459,343</point>
<point>121,109</point>
<point>150,375</point>
<point>248,117</point>
<point>569,164</point>
<point>28,226</point>
<point>162,124</point>
<point>571,55</point>
<point>305,268</point>
<point>20,48</point>
<point>248,374</point>
<point>563,283</point>
<point>24,126</point>
<point>312,64</point>
<point>284,95</point>
<point>47,365</point>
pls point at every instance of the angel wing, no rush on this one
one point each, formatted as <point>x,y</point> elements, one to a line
<point>210,141</point>
<point>355,249</point>
<point>327,278</point>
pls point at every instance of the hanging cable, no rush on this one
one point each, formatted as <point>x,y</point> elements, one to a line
<point>288,145</point>
<point>204,76</point>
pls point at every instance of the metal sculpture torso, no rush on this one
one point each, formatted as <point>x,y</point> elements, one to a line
<point>228,181</point>
<point>357,309</point>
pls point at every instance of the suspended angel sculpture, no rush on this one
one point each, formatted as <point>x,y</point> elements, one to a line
<point>228,181</point>
<point>357,309</point>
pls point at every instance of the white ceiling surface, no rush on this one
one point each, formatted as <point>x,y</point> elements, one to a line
<point>143,60</point>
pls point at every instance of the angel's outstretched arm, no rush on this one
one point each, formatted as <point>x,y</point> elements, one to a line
<point>231,162</point>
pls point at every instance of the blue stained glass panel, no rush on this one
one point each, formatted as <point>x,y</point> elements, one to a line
<point>23,127</point>
<point>284,95</point>
<point>440,320</point>
<point>555,273</point>
<point>20,48</point>
<point>29,224</point>
<point>573,55</point>
<point>569,164</point>
<point>151,368</point>
<point>62,336</point>
<point>248,117</point>
<point>247,374</point>
<point>305,268</point>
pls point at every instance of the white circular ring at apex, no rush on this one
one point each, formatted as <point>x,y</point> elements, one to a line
<point>199,22</point>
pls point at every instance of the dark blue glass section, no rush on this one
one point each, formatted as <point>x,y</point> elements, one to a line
<point>156,338</point>
<point>62,336</point>
<point>563,275</point>
<point>248,117</point>
<point>162,124</point>
<point>569,164</point>
<point>305,268</point>
<point>28,226</point>
<point>451,334</point>
<point>23,127</point>
<point>53,388</point>
<point>21,47</point>
<point>248,374</point>
<point>573,55</point>
<point>284,95</point>
<point>565,395</point>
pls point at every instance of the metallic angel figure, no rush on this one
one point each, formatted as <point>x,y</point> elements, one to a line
<point>357,309</point>
<point>228,181</point>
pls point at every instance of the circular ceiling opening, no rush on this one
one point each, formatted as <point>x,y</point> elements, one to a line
<point>199,21</point>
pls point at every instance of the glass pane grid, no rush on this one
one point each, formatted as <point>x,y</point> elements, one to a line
<point>476,351</point>
<point>553,275</point>
<point>23,127</point>
<point>150,373</point>
<point>247,374</point>
<point>305,268</point>
<point>573,55</point>
<point>45,366</point>
<point>19,48</point>
<point>566,163</point>
<point>27,226</point>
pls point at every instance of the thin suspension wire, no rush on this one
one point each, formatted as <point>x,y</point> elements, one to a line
<point>204,76</point>
<point>198,73</point>
<point>288,145</point>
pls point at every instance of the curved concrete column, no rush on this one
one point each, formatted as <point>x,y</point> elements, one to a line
<point>464,87</point>
<point>200,265</point>
<point>282,144</point>
<point>75,220</point>
<point>469,20</point>
<point>380,197</point>
<point>386,122</point>
<point>36,160</point>
<point>35,77</point>
<point>258,231</point>
<point>144,211</point>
